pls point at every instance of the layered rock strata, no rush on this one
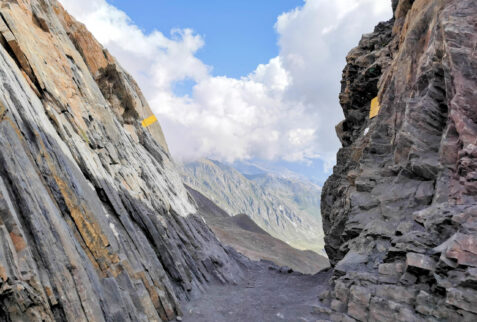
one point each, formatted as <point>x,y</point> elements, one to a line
<point>400,210</point>
<point>95,223</point>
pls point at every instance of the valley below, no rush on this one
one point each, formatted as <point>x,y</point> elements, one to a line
<point>244,235</point>
<point>286,207</point>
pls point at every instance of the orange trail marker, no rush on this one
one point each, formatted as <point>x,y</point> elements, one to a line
<point>375,106</point>
<point>149,121</point>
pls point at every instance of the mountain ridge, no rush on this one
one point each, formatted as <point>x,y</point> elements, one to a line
<point>245,236</point>
<point>288,209</point>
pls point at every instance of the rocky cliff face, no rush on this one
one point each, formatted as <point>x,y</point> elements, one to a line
<point>286,209</point>
<point>95,223</point>
<point>400,210</point>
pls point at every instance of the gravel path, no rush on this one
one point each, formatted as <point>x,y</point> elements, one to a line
<point>264,295</point>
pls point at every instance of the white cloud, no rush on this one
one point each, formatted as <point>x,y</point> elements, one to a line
<point>285,109</point>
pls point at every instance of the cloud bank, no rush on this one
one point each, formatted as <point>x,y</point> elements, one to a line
<point>285,109</point>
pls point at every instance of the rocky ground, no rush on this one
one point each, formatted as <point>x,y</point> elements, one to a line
<point>266,294</point>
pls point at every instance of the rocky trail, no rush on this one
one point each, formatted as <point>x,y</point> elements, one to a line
<point>265,294</point>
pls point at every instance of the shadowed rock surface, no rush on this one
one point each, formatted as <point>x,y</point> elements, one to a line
<point>241,233</point>
<point>400,210</point>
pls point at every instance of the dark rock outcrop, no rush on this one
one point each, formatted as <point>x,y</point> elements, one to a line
<point>400,210</point>
<point>95,223</point>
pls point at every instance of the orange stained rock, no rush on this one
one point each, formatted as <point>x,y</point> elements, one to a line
<point>43,60</point>
<point>3,273</point>
<point>93,53</point>
<point>18,241</point>
<point>157,295</point>
<point>98,61</point>
<point>3,111</point>
<point>90,230</point>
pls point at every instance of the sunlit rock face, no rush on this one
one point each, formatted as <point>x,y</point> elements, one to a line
<point>400,210</point>
<point>95,223</point>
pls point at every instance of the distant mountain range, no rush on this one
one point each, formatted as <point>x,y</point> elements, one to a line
<point>310,171</point>
<point>285,206</point>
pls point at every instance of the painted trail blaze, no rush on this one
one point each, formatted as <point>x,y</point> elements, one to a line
<point>375,106</point>
<point>149,121</point>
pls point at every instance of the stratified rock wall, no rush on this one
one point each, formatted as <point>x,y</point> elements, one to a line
<point>95,223</point>
<point>400,210</point>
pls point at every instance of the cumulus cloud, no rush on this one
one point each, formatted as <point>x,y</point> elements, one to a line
<point>284,109</point>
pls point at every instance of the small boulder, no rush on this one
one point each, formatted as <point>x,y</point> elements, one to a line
<point>462,298</point>
<point>392,269</point>
<point>463,249</point>
<point>420,262</point>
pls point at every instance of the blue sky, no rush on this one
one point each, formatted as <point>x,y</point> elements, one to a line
<point>239,35</point>
<point>238,80</point>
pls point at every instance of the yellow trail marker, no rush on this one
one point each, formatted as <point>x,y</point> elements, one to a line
<point>375,106</point>
<point>149,121</point>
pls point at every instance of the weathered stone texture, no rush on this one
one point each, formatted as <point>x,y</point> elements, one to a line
<point>95,223</point>
<point>399,211</point>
